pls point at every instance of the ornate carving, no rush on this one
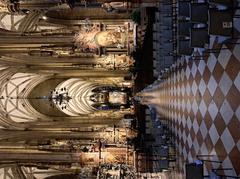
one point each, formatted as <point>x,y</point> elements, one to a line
<point>116,171</point>
<point>122,62</point>
<point>4,6</point>
<point>115,7</point>
<point>109,38</point>
<point>91,38</point>
<point>85,39</point>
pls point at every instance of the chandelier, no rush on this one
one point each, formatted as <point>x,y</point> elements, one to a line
<point>60,97</point>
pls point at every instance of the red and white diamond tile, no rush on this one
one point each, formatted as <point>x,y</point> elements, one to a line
<point>202,100</point>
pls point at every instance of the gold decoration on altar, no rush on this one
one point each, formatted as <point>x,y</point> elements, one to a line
<point>122,62</point>
<point>111,38</point>
<point>92,38</point>
<point>85,39</point>
<point>117,97</point>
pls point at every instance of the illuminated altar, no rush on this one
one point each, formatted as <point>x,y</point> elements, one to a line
<point>93,36</point>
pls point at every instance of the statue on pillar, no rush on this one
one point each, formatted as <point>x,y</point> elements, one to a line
<point>3,6</point>
<point>115,7</point>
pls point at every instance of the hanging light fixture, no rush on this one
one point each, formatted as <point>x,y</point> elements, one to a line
<point>60,97</point>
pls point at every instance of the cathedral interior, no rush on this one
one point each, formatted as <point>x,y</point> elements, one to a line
<point>111,89</point>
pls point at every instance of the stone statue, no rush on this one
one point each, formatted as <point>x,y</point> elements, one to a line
<point>115,7</point>
<point>3,6</point>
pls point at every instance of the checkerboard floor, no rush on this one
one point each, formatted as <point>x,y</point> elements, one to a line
<point>201,98</point>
